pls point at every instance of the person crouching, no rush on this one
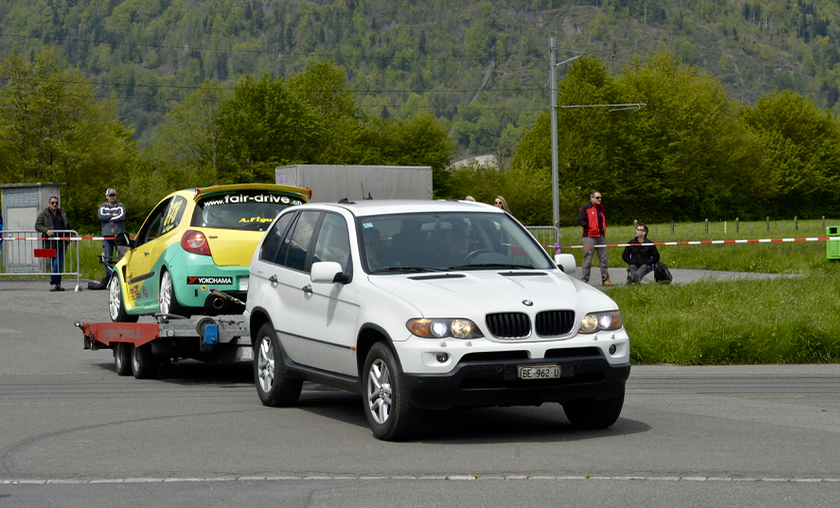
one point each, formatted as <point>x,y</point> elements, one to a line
<point>641,255</point>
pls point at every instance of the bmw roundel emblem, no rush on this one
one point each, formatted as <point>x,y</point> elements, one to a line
<point>527,303</point>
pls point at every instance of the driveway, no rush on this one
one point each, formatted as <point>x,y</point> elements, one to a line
<point>618,275</point>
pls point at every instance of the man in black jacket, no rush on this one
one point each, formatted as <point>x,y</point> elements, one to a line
<point>641,255</point>
<point>52,223</point>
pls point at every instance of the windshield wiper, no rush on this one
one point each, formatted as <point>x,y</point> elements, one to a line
<point>406,269</point>
<point>491,265</point>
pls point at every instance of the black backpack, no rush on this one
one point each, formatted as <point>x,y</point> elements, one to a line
<point>661,273</point>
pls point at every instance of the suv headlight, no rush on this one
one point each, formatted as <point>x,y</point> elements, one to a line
<point>598,321</point>
<point>458,328</point>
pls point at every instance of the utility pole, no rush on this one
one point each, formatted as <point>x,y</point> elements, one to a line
<point>553,85</point>
<point>555,178</point>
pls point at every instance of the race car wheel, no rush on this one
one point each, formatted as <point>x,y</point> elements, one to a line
<point>168,303</point>
<point>116,304</point>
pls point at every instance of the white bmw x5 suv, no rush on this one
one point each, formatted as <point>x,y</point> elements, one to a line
<point>429,305</point>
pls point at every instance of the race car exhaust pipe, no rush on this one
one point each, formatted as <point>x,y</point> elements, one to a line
<point>224,296</point>
<point>217,303</point>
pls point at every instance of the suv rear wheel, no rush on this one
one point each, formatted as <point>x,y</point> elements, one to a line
<point>274,387</point>
<point>387,410</point>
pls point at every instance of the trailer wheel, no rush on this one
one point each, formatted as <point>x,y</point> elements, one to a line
<point>144,364</point>
<point>122,358</point>
<point>116,305</point>
<point>274,387</point>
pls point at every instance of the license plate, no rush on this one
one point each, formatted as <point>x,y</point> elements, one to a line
<point>243,283</point>
<point>540,372</point>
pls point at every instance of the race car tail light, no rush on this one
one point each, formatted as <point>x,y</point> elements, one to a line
<point>195,242</point>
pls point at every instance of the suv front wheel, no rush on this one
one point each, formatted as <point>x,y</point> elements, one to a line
<point>593,414</point>
<point>387,410</point>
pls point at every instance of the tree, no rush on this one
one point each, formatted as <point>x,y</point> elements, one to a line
<point>800,167</point>
<point>685,150</point>
<point>52,128</point>
<point>683,156</point>
<point>311,118</point>
<point>420,141</point>
<point>189,138</point>
<point>307,119</point>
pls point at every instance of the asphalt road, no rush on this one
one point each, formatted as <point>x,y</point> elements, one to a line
<point>74,434</point>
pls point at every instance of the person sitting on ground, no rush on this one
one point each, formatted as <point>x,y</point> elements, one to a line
<point>641,255</point>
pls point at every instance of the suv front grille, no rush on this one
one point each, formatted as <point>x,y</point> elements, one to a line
<point>509,325</point>
<point>517,325</point>
<point>552,323</point>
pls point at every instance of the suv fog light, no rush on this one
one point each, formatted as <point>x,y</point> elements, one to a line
<point>612,349</point>
<point>442,357</point>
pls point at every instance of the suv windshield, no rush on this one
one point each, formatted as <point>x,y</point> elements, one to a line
<point>251,210</point>
<point>447,241</point>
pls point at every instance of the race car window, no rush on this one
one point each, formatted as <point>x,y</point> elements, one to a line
<point>151,228</point>
<point>251,210</point>
<point>173,214</point>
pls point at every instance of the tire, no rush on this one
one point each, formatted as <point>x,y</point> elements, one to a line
<point>388,413</point>
<point>593,414</point>
<point>122,358</point>
<point>144,365</point>
<point>166,297</point>
<point>116,304</point>
<point>274,387</point>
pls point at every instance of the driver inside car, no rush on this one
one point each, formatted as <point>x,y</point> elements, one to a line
<point>457,245</point>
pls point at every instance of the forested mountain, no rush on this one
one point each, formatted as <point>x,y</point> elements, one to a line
<point>482,65</point>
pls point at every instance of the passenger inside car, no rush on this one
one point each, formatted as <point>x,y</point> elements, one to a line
<point>373,246</point>
<point>409,245</point>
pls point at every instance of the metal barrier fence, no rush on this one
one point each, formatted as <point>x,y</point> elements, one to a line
<point>548,236</point>
<point>25,253</point>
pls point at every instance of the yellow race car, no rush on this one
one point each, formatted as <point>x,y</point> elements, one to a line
<point>193,252</point>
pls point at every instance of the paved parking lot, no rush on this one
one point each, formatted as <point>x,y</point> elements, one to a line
<point>75,434</point>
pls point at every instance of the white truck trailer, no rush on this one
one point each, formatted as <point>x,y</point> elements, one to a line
<point>331,183</point>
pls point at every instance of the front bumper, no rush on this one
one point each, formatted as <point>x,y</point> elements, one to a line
<point>495,383</point>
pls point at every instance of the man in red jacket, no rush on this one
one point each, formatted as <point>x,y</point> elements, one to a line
<point>594,223</point>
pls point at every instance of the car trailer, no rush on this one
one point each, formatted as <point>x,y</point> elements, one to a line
<point>139,348</point>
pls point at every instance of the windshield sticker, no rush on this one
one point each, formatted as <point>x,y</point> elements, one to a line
<point>248,198</point>
<point>258,220</point>
<point>367,225</point>
<point>172,215</point>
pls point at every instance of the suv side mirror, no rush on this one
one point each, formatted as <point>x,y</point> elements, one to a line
<point>565,262</point>
<point>328,272</point>
<point>123,240</point>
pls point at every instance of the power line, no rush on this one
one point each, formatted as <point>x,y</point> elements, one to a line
<point>349,90</point>
<point>189,47</point>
